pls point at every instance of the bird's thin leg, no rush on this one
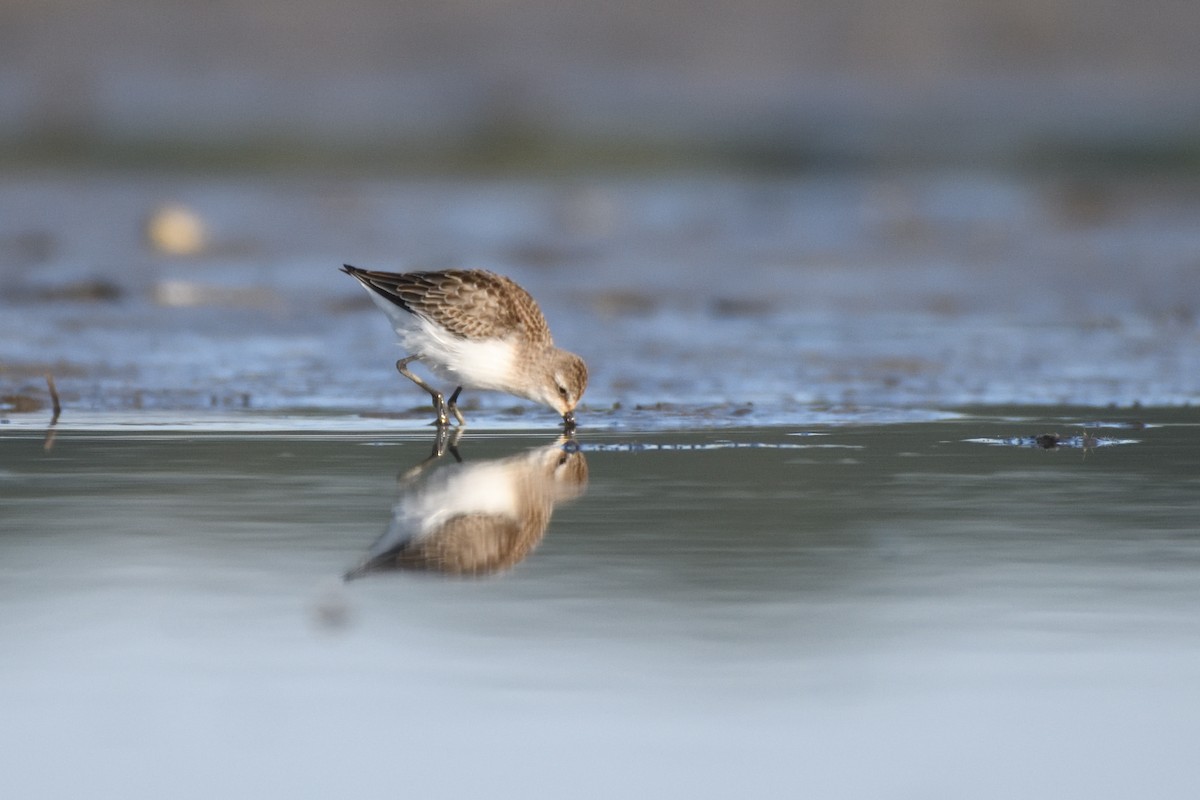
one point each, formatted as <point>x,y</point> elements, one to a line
<point>439,403</point>
<point>452,404</point>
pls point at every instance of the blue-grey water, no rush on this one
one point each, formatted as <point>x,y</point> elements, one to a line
<point>847,611</point>
<point>885,486</point>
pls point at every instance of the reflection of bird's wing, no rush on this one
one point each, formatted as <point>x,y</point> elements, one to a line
<point>476,543</point>
<point>464,544</point>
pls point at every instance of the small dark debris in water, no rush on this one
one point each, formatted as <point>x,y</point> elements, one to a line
<point>1047,441</point>
<point>741,412</point>
<point>1053,441</point>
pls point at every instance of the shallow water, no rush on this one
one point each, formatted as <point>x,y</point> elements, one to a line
<point>819,548</point>
<point>847,610</point>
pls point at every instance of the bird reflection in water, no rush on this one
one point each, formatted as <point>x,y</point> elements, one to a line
<point>475,518</point>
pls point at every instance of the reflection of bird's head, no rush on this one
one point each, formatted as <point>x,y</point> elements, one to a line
<point>567,469</point>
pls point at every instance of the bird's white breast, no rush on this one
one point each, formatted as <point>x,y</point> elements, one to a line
<point>473,363</point>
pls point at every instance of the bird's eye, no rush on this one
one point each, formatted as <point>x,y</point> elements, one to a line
<point>562,391</point>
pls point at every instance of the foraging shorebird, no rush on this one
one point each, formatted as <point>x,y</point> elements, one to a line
<point>478,330</point>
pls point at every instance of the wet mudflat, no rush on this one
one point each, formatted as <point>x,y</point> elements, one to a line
<point>917,609</point>
<point>736,299</point>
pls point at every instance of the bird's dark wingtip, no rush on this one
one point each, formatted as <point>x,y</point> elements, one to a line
<point>381,283</point>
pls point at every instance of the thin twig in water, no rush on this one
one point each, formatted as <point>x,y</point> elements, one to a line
<point>48,445</point>
<point>56,405</point>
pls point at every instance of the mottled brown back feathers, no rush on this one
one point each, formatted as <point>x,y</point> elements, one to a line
<point>474,303</point>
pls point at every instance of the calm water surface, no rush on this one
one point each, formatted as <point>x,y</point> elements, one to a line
<point>879,593</point>
<point>840,611</point>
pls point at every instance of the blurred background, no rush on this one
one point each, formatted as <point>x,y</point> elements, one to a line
<point>762,84</point>
<point>923,205</point>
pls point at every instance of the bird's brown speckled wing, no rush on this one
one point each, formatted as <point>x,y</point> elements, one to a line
<point>474,304</point>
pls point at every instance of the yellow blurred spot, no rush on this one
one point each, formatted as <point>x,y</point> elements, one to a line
<point>175,230</point>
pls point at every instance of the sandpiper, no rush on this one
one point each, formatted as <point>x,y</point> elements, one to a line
<point>478,330</point>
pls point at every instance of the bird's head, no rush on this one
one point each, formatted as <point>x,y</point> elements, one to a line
<point>563,384</point>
